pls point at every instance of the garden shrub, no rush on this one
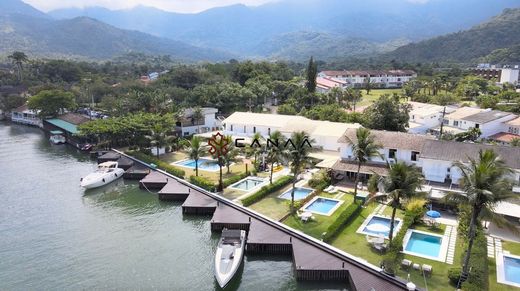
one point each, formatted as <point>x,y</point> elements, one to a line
<point>320,180</point>
<point>478,278</point>
<point>204,183</point>
<point>343,219</point>
<point>160,164</point>
<point>266,190</point>
<point>234,179</point>
<point>454,275</point>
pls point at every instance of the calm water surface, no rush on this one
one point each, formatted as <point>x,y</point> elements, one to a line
<point>55,236</point>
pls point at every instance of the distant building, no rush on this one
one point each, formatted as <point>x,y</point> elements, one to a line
<point>378,78</point>
<point>325,84</point>
<point>510,131</point>
<point>68,124</point>
<point>24,115</point>
<point>188,125</point>
<point>153,76</point>
<point>500,75</point>
<point>424,116</point>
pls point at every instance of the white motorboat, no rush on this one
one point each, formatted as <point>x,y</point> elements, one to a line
<point>57,137</point>
<point>106,173</point>
<point>229,255</point>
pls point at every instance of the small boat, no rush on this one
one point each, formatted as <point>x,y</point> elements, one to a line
<point>106,173</point>
<point>229,255</point>
<point>57,137</point>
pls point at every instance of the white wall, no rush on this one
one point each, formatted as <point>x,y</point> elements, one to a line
<point>437,170</point>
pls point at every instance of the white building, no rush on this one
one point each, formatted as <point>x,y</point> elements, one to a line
<point>325,133</point>
<point>424,116</point>
<point>509,75</point>
<point>434,158</point>
<point>24,115</point>
<point>188,125</point>
<point>378,78</point>
<point>325,84</point>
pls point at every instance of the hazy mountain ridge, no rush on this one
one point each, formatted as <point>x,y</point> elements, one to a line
<point>500,32</point>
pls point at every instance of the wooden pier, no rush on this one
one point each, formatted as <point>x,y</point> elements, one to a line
<point>108,157</point>
<point>312,259</point>
<point>136,172</point>
<point>124,163</point>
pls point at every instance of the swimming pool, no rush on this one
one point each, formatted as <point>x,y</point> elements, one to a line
<point>426,245</point>
<point>204,164</point>
<point>508,269</point>
<point>299,193</point>
<point>378,225</point>
<point>247,184</point>
<point>322,205</point>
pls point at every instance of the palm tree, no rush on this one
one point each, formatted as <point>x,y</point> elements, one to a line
<point>484,183</point>
<point>255,150</point>
<point>220,145</point>
<point>515,142</point>
<point>196,151</point>
<point>298,151</point>
<point>232,154</point>
<point>400,184</point>
<point>363,149</point>
<point>197,116</point>
<point>18,58</point>
<point>159,137</point>
<point>275,152</point>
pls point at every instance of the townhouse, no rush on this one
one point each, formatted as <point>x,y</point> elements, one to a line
<point>189,124</point>
<point>325,84</point>
<point>424,116</point>
<point>378,78</point>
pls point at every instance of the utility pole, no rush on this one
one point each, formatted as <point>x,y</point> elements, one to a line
<point>442,122</point>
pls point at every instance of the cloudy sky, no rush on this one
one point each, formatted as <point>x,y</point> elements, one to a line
<point>170,5</point>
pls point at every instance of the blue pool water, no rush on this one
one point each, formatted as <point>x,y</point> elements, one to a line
<point>204,164</point>
<point>512,269</point>
<point>424,244</point>
<point>380,225</point>
<point>322,206</point>
<point>299,193</point>
<point>247,184</point>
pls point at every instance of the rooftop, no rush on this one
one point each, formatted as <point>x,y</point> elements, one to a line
<point>486,116</point>
<point>66,126</point>
<point>460,151</point>
<point>504,137</point>
<point>391,139</point>
<point>425,109</point>
<point>73,118</point>
<point>463,112</point>
<point>514,122</point>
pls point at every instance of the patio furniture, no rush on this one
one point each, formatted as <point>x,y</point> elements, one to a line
<point>406,264</point>
<point>329,188</point>
<point>427,269</point>
<point>306,216</point>
<point>416,267</point>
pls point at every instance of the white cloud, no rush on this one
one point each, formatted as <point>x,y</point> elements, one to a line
<point>187,6</point>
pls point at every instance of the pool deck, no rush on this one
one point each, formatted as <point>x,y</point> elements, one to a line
<point>313,259</point>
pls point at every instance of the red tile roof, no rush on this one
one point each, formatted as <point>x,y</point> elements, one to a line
<point>504,137</point>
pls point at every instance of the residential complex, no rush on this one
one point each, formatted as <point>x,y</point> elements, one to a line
<point>358,79</point>
<point>501,75</point>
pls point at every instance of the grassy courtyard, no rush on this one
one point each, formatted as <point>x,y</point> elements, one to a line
<point>368,99</point>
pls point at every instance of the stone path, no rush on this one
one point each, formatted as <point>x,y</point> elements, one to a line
<point>382,209</point>
<point>490,247</point>
<point>498,246</point>
<point>451,233</point>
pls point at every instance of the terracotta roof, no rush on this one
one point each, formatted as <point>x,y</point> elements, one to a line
<point>460,151</point>
<point>369,168</point>
<point>73,118</point>
<point>329,82</point>
<point>391,139</point>
<point>367,72</point>
<point>504,137</point>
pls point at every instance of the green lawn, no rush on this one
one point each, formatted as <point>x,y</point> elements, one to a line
<point>272,206</point>
<point>513,248</point>
<point>368,99</point>
<point>319,225</point>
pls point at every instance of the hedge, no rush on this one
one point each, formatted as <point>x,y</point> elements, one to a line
<point>234,179</point>
<point>478,278</point>
<point>266,190</point>
<point>160,164</point>
<point>204,183</point>
<point>344,218</point>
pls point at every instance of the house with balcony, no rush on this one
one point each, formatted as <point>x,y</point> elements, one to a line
<point>189,124</point>
<point>26,116</point>
<point>378,78</point>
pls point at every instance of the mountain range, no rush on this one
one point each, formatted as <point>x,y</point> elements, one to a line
<point>285,29</point>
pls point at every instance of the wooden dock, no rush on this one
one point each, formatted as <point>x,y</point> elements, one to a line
<point>124,163</point>
<point>174,191</point>
<point>199,203</point>
<point>264,239</point>
<point>227,217</point>
<point>136,172</point>
<point>108,157</point>
<point>154,181</point>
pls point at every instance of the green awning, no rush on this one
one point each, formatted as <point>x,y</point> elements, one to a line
<point>55,132</point>
<point>66,126</point>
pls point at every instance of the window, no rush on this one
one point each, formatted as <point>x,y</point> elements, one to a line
<point>244,129</point>
<point>231,129</point>
<point>445,121</point>
<point>391,153</point>
<point>477,125</point>
<point>269,131</point>
<point>414,156</point>
<point>456,123</point>
<point>254,129</point>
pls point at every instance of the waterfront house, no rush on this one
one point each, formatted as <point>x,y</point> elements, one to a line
<point>68,124</point>
<point>26,116</point>
<point>188,125</point>
<point>325,133</point>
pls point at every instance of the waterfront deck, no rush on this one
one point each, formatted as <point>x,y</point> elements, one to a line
<point>136,172</point>
<point>124,163</point>
<point>199,203</point>
<point>154,181</point>
<point>108,157</point>
<point>313,260</point>
<point>174,191</point>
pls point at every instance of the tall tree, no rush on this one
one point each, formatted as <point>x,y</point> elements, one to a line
<point>298,154</point>
<point>485,182</point>
<point>401,184</point>
<point>195,151</point>
<point>159,137</point>
<point>52,102</point>
<point>387,113</point>
<point>198,117</point>
<point>363,149</point>
<point>18,58</point>
<point>312,73</point>
<point>232,154</point>
<point>275,151</point>
<point>368,84</point>
<point>219,149</point>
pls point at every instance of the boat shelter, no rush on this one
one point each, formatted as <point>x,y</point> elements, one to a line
<point>67,124</point>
